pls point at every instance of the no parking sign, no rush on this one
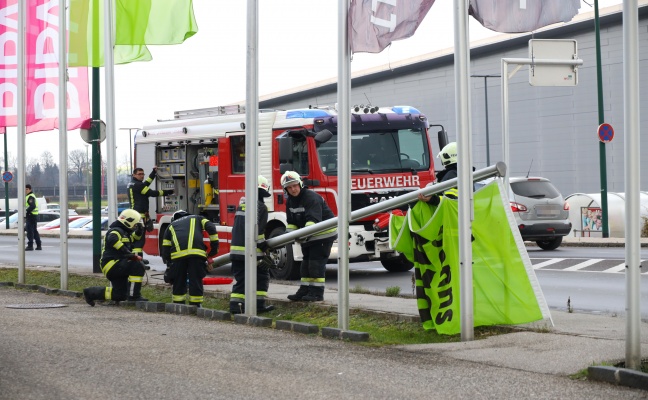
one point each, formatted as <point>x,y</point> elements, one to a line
<point>7,176</point>
<point>605,133</point>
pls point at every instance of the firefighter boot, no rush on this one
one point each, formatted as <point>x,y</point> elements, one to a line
<point>262,307</point>
<point>137,292</point>
<point>301,292</point>
<point>237,307</point>
<point>316,293</point>
<point>94,293</point>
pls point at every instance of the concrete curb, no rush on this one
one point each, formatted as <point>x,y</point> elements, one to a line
<point>619,376</point>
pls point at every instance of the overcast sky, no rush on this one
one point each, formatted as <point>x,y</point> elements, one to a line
<point>297,46</point>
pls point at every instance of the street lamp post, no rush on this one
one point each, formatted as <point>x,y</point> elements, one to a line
<point>486,114</point>
<point>130,147</point>
<point>87,195</point>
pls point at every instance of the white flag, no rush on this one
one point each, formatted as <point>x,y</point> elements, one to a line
<point>515,16</point>
<point>374,24</point>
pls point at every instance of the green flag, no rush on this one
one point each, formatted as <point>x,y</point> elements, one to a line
<point>505,289</point>
<point>137,23</point>
<point>154,21</point>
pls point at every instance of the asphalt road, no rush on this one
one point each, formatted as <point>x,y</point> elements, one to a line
<point>81,352</point>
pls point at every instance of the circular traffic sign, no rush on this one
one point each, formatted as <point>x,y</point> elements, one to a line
<point>7,176</point>
<point>605,133</point>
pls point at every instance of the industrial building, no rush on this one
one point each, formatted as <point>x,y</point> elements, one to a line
<point>553,130</point>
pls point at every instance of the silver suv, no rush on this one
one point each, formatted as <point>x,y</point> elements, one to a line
<point>540,211</point>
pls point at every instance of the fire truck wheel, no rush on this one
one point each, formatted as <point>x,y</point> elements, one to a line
<point>288,268</point>
<point>395,262</point>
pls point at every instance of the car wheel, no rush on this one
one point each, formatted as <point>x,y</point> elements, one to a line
<point>551,244</point>
<point>287,267</point>
<point>395,262</point>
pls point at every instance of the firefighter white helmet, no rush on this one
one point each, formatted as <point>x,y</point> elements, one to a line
<point>290,178</point>
<point>129,218</point>
<point>179,214</point>
<point>264,185</point>
<point>448,154</point>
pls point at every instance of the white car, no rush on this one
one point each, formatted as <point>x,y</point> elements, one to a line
<point>43,218</point>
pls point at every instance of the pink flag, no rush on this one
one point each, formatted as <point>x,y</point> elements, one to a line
<point>514,16</point>
<point>374,24</point>
<point>42,69</point>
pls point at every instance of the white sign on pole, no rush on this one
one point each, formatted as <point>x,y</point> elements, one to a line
<point>553,75</point>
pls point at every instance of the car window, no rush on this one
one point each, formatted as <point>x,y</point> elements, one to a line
<point>535,189</point>
<point>78,223</point>
<point>47,217</point>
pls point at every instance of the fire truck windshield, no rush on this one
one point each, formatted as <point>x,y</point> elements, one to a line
<point>380,152</point>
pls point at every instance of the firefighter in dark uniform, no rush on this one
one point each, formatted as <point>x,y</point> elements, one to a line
<point>118,262</point>
<point>304,208</point>
<point>139,192</point>
<point>237,254</point>
<point>184,251</point>
<point>448,156</point>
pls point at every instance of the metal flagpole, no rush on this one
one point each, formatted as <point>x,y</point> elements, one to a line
<point>21,131</point>
<point>251,151</point>
<point>464,151</point>
<point>109,70</point>
<point>632,181</point>
<point>63,142</point>
<point>344,162</point>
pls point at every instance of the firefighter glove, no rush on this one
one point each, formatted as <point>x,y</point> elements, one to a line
<point>263,246</point>
<point>167,192</point>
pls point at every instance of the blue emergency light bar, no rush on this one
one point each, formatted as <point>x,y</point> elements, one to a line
<point>405,110</point>
<point>306,113</point>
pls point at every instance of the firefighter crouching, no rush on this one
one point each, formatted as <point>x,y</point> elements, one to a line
<point>184,251</point>
<point>237,254</point>
<point>118,262</point>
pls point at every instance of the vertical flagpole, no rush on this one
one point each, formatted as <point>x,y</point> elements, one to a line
<point>63,144</point>
<point>344,161</point>
<point>464,135</point>
<point>20,129</point>
<point>111,152</point>
<point>251,151</point>
<point>632,173</point>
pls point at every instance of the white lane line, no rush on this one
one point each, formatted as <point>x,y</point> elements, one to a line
<point>618,268</point>
<point>583,264</point>
<point>548,262</point>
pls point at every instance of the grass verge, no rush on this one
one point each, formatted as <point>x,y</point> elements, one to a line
<point>383,329</point>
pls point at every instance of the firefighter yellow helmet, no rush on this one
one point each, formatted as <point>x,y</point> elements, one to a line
<point>129,218</point>
<point>448,154</point>
<point>264,185</point>
<point>289,178</point>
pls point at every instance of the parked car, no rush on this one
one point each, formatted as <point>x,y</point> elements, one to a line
<point>56,224</point>
<point>43,218</point>
<point>541,212</point>
<point>104,225</point>
<point>57,207</point>
<point>121,206</point>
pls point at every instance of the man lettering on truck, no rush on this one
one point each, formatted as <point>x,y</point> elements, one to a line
<point>304,208</point>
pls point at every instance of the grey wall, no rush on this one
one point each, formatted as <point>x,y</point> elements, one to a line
<point>553,126</point>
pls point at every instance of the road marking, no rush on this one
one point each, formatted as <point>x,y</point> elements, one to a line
<point>583,264</point>
<point>618,268</point>
<point>548,262</point>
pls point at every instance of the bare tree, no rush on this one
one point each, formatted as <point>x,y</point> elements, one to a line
<point>78,163</point>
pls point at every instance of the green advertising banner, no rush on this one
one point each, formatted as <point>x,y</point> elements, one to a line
<point>504,284</point>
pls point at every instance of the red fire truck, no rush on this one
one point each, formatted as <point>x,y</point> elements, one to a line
<point>201,155</point>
